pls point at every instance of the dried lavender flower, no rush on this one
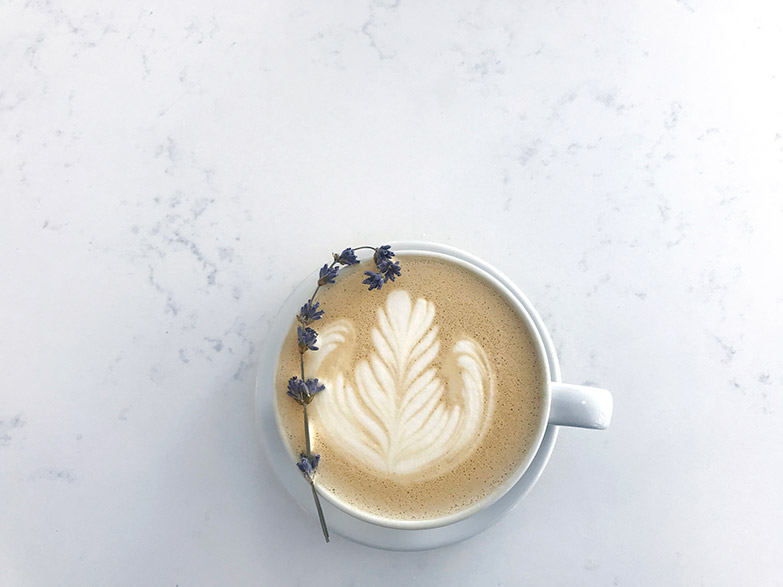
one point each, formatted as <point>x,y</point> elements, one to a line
<point>303,391</point>
<point>327,274</point>
<point>347,257</point>
<point>297,389</point>
<point>374,280</point>
<point>313,387</point>
<point>389,269</point>
<point>306,337</point>
<point>309,313</point>
<point>308,465</point>
<point>383,253</point>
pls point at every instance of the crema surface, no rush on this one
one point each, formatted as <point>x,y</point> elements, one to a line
<point>433,390</point>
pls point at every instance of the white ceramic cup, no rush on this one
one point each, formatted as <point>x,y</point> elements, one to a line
<point>563,405</point>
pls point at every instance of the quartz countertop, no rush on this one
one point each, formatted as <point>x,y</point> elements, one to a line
<point>169,173</point>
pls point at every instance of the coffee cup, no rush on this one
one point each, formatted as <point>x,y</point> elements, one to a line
<point>445,477</point>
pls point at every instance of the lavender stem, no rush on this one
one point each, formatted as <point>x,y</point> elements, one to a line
<point>320,512</point>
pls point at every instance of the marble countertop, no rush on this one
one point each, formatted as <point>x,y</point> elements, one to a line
<point>169,173</point>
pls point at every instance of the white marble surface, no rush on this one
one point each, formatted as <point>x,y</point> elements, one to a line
<point>168,173</point>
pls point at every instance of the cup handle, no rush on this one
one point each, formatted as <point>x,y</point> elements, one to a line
<point>580,406</point>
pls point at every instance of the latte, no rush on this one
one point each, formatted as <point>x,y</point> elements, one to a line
<point>433,396</point>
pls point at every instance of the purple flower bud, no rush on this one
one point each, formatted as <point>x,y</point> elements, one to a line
<point>347,257</point>
<point>308,466</point>
<point>327,274</point>
<point>389,269</point>
<point>306,337</point>
<point>309,313</point>
<point>383,253</point>
<point>374,280</point>
<point>303,391</point>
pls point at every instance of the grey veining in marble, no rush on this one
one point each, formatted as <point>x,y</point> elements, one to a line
<point>169,173</point>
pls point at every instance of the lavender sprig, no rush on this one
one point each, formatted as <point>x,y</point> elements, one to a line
<point>303,390</point>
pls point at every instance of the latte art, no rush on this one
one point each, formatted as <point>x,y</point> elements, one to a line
<point>433,391</point>
<point>396,412</point>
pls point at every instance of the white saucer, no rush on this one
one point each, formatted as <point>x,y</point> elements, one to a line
<point>338,521</point>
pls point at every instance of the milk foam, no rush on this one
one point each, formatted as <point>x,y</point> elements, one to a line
<point>439,352</point>
<point>396,412</point>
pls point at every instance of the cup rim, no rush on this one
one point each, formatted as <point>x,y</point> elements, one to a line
<point>475,266</point>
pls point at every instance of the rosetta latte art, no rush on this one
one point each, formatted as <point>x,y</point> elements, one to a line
<point>406,410</point>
